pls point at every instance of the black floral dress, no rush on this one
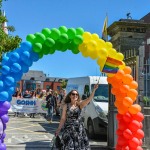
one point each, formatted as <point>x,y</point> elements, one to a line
<point>74,136</point>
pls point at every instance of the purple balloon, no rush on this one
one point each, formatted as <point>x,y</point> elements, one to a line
<point>5,118</point>
<point>1,129</point>
<point>4,127</point>
<point>3,113</point>
<point>4,106</point>
<point>2,146</point>
<point>3,136</point>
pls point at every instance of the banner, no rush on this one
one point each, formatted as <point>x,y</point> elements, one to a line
<point>28,105</point>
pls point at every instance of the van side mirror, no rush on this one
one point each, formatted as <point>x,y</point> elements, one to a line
<point>84,96</point>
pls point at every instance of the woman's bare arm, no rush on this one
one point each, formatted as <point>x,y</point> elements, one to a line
<point>86,101</point>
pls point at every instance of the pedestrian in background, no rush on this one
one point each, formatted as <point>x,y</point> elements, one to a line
<point>50,104</point>
<point>74,135</point>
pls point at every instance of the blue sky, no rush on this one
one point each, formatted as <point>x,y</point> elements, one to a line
<point>31,16</point>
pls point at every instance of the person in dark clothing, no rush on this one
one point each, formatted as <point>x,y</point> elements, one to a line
<point>50,104</point>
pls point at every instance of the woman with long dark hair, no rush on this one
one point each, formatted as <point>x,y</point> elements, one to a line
<point>74,136</point>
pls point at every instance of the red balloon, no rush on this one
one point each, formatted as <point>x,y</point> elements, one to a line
<point>125,148</point>
<point>134,142</point>
<point>122,125</point>
<point>127,117</point>
<point>141,142</point>
<point>139,148</point>
<point>127,134</point>
<point>141,125</point>
<point>139,134</point>
<point>121,141</point>
<point>134,125</point>
<point>119,132</point>
<point>119,116</point>
<point>139,117</point>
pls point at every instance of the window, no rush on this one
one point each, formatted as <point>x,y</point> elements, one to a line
<point>48,86</point>
<point>87,90</point>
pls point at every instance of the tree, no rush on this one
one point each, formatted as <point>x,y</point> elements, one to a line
<point>7,41</point>
<point>64,83</point>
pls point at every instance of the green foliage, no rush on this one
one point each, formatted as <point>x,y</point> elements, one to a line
<point>64,83</point>
<point>146,99</point>
<point>7,42</point>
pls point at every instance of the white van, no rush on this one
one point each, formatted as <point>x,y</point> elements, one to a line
<point>95,113</point>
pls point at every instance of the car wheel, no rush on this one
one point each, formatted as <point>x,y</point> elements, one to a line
<point>91,133</point>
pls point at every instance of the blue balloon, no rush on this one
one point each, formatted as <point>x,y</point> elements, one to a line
<point>26,46</point>
<point>5,69</point>
<point>25,68</point>
<point>29,62</point>
<point>34,56</point>
<point>15,67</point>
<point>11,90</point>
<point>17,76</point>
<point>5,60</point>
<point>9,81</point>
<point>1,85</point>
<point>25,56</point>
<point>4,96</point>
<point>14,56</point>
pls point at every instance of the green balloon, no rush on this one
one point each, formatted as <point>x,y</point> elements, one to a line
<point>49,42</point>
<point>64,47</point>
<point>46,32</point>
<point>79,31</point>
<point>30,38</point>
<point>52,50</point>
<point>71,45</point>
<point>78,39</point>
<point>63,38</point>
<point>55,34</point>
<point>63,29</point>
<point>75,50</point>
<point>45,49</point>
<point>58,45</point>
<point>40,55</point>
<point>40,38</point>
<point>71,33</point>
<point>37,47</point>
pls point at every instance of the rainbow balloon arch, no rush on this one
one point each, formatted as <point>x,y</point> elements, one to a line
<point>17,62</point>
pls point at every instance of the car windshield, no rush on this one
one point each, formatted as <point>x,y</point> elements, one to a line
<point>101,94</point>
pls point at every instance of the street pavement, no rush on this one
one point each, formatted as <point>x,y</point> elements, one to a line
<point>25,133</point>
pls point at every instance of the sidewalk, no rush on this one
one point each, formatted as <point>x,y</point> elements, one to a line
<point>24,133</point>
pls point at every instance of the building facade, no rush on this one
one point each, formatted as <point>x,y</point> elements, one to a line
<point>34,80</point>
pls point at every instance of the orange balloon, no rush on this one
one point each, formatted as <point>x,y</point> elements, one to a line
<point>132,93</point>
<point>133,85</point>
<point>127,79</point>
<point>109,80</point>
<point>134,109</point>
<point>119,74</point>
<point>127,101</point>
<point>118,103</point>
<point>127,70</point>
<point>120,96</point>
<point>124,88</point>
<point>122,109</point>
<point>117,83</point>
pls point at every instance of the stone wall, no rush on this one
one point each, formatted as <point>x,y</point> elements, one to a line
<point>146,128</point>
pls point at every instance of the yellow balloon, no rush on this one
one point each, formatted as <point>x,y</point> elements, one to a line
<point>91,45</point>
<point>122,66</point>
<point>85,53</point>
<point>112,52</point>
<point>82,47</point>
<point>101,61</point>
<point>95,36</point>
<point>93,54</point>
<point>109,44</point>
<point>110,74</point>
<point>86,37</point>
<point>100,44</point>
<point>119,56</point>
<point>103,52</point>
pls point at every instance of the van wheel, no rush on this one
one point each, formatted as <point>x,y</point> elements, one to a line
<point>91,133</point>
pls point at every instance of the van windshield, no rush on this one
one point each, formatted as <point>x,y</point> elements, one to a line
<point>101,94</point>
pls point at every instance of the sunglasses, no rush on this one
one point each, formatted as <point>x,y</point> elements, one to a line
<point>73,94</point>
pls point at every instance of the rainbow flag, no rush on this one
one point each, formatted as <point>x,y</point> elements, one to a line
<point>111,65</point>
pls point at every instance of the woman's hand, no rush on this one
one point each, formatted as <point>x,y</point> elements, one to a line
<point>96,86</point>
<point>57,132</point>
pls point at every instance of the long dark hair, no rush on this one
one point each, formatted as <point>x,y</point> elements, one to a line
<point>68,99</point>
